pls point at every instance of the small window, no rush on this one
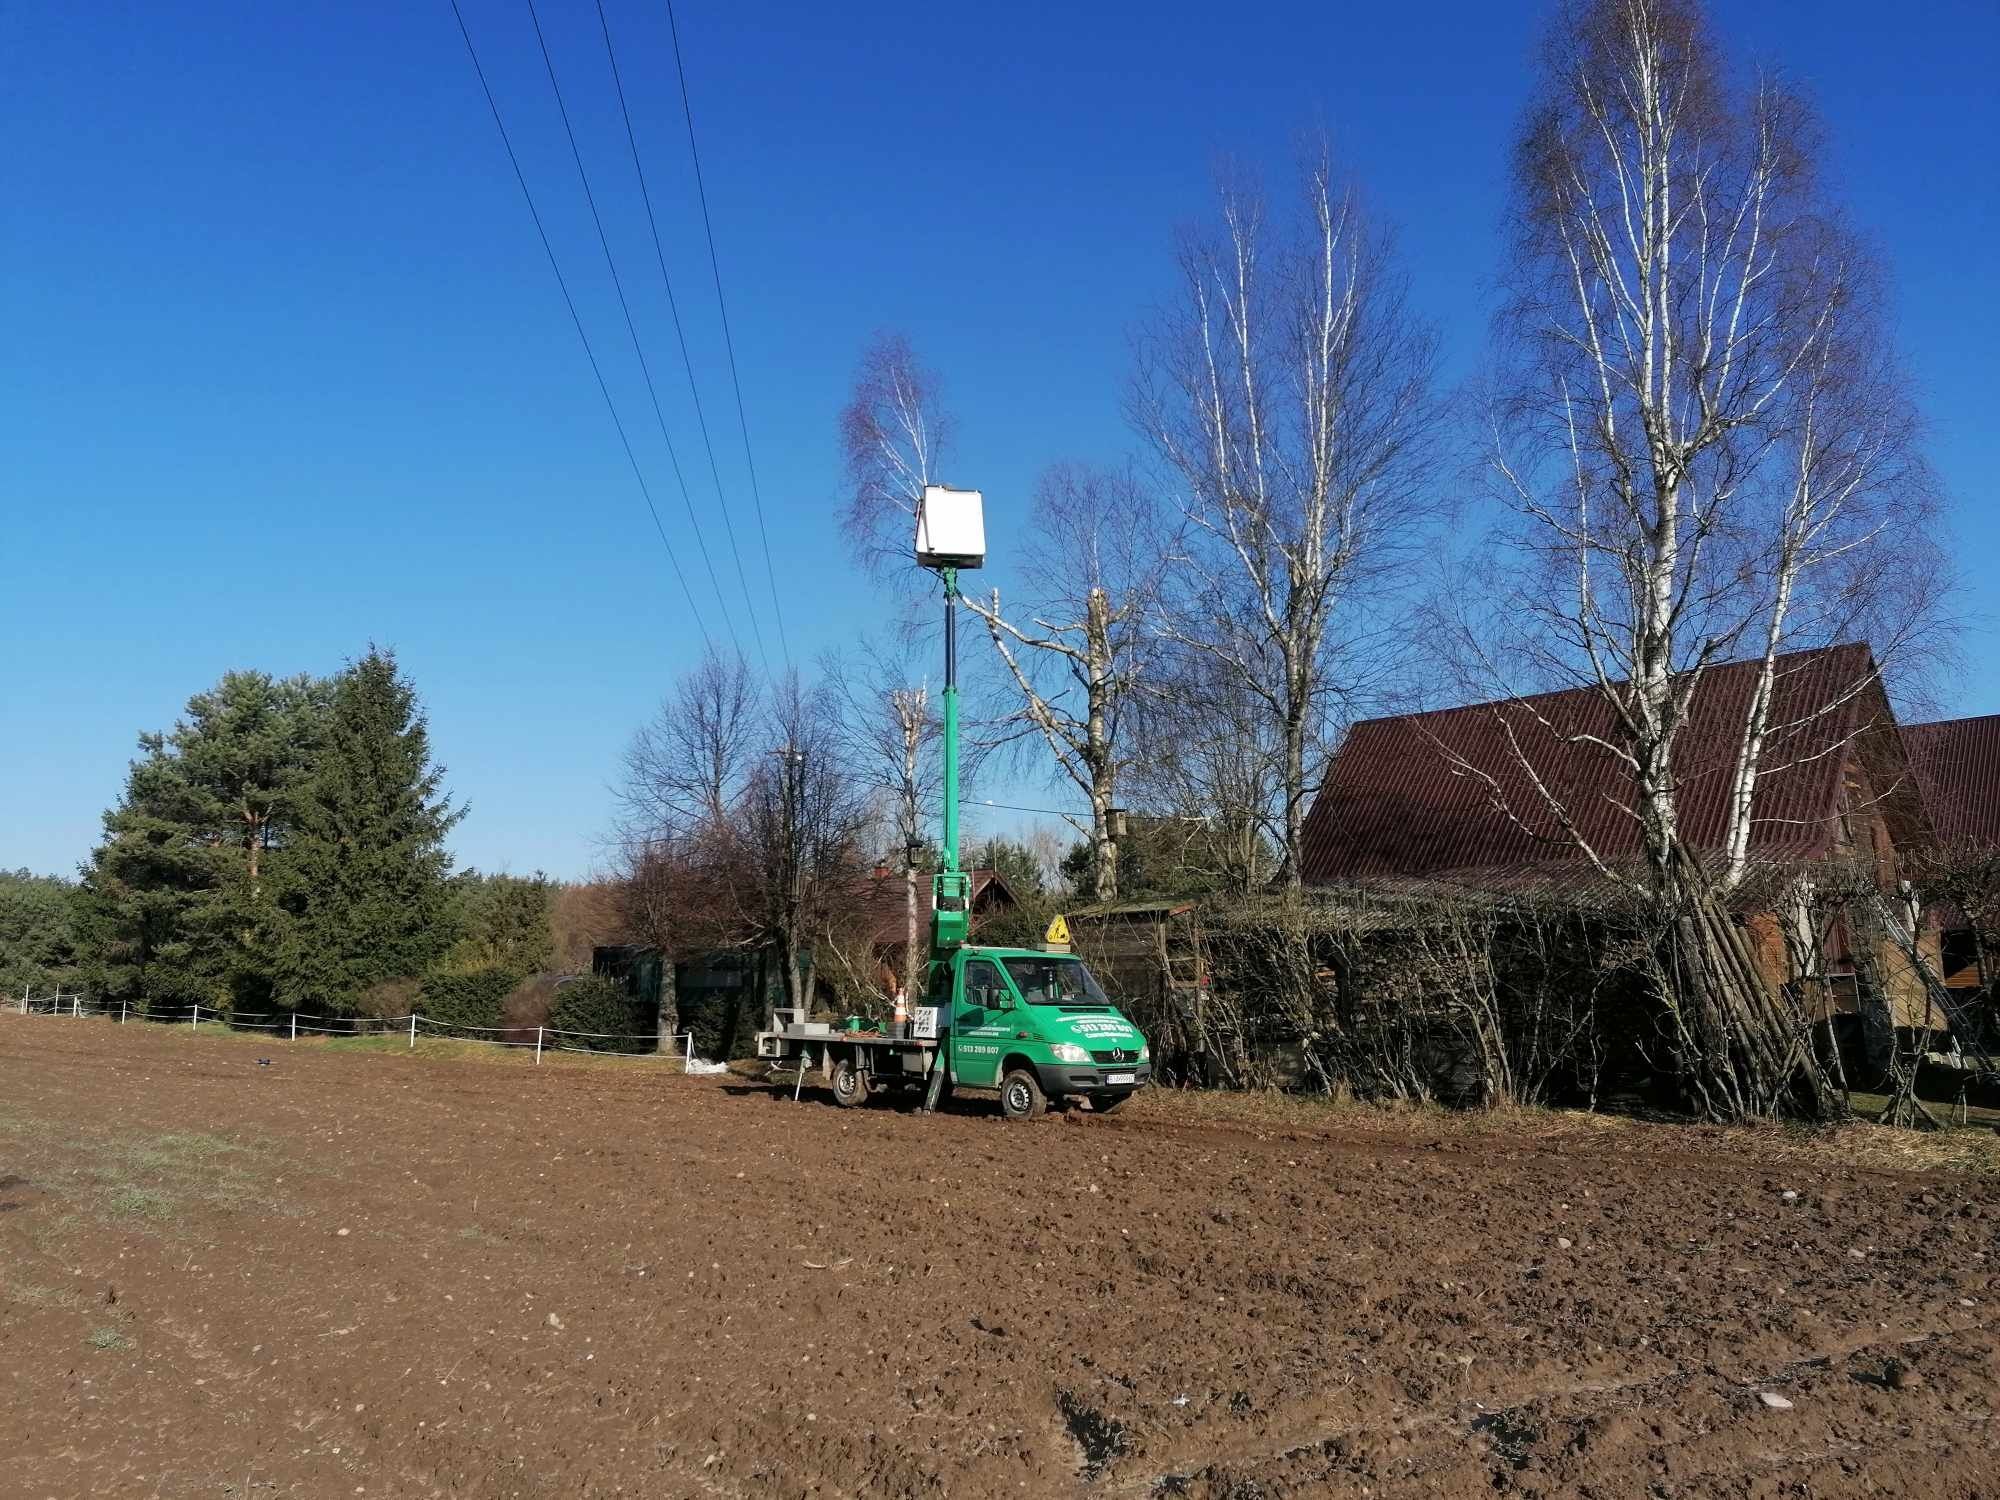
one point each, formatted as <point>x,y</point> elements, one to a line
<point>984,987</point>
<point>1959,957</point>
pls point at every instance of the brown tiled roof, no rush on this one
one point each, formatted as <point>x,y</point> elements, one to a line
<point>1450,792</point>
<point>1957,766</point>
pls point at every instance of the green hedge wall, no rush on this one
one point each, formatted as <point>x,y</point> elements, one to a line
<point>602,1005</point>
<point>473,998</point>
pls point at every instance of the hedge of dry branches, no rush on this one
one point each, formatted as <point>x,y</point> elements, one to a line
<point>1486,999</point>
<point>1468,1001</point>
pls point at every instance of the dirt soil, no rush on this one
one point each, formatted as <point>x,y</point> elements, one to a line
<point>354,1273</point>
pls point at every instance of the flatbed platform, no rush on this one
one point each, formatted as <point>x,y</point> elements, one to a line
<point>855,1063</point>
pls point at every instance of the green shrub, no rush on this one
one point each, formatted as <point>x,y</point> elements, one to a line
<point>470,999</point>
<point>601,1006</point>
<point>392,997</point>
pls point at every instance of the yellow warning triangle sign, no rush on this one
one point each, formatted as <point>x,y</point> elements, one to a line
<point>1058,932</point>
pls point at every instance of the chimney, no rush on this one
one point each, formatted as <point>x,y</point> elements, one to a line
<point>881,872</point>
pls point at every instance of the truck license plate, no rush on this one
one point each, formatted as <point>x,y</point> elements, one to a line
<point>1115,1078</point>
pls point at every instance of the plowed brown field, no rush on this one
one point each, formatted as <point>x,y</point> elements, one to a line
<point>371,1274</point>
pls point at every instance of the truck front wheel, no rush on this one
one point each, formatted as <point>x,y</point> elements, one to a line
<point>1021,1096</point>
<point>850,1084</point>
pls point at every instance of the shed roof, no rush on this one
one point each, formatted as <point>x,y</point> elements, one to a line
<point>1131,909</point>
<point>1453,792</point>
<point>1957,766</point>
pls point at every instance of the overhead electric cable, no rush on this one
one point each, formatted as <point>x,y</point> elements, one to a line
<point>1050,811</point>
<point>577,322</point>
<point>728,342</point>
<point>632,328</point>
<point>680,333</point>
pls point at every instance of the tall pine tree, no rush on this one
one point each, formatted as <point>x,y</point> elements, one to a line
<point>173,909</point>
<point>363,886</point>
<point>37,933</point>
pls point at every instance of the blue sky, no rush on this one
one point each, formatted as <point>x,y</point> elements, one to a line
<point>286,372</point>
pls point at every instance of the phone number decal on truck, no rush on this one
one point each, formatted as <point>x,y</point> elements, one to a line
<point>1099,1026</point>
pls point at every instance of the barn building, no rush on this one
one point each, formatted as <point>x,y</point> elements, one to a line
<point>1957,766</point>
<point>1473,800</point>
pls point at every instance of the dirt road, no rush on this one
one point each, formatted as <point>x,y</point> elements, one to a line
<point>371,1274</point>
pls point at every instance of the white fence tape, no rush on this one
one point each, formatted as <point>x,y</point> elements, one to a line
<point>412,1025</point>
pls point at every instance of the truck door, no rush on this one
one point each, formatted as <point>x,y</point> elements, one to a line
<point>982,1020</point>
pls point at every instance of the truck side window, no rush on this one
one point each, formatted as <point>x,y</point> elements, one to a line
<point>984,987</point>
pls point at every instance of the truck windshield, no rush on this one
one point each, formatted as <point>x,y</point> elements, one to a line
<point>1055,981</point>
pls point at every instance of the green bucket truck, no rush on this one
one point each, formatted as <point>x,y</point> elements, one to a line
<point>1030,1024</point>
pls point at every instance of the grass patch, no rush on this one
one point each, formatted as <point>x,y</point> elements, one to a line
<point>1273,1109</point>
<point>132,1201</point>
<point>108,1338</point>
<point>1858,1142</point>
<point>1946,1112</point>
<point>393,1043</point>
<point>159,1177</point>
<point>31,1131</point>
<point>41,1298</point>
<point>456,1048</point>
<point>375,1041</point>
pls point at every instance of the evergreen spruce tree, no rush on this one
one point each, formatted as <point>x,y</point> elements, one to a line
<point>173,908</point>
<point>501,922</point>
<point>364,883</point>
<point>37,933</point>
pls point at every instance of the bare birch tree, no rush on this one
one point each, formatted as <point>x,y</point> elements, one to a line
<point>686,765</point>
<point>802,814</point>
<point>681,849</point>
<point>1205,753</point>
<point>890,725</point>
<point>1703,433</point>
<point>1076,646</point>
<point>894,433</point>
<point>1289,392</point>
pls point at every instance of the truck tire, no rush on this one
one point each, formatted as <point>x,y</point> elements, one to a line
<point>850,1084</point>
<point>1021,1096</point>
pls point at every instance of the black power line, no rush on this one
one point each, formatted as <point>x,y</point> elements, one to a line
<point>577,322</point>
<point>680,333</point>
<point>728,342</point>
<point>632,328</point>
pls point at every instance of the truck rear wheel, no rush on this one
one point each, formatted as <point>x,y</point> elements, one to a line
<point>1021,1096</point>
<point>850,1084</point>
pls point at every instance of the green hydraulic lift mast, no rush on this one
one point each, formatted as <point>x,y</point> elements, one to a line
<point>950,577</point>
<point>951,888</point>
<point>951,534</point>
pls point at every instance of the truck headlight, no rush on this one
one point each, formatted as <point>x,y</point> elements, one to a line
<point>1070,1052</point>
<point>1145,1052</point>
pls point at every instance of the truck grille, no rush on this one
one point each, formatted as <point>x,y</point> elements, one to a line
<point>1116,1055</point>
